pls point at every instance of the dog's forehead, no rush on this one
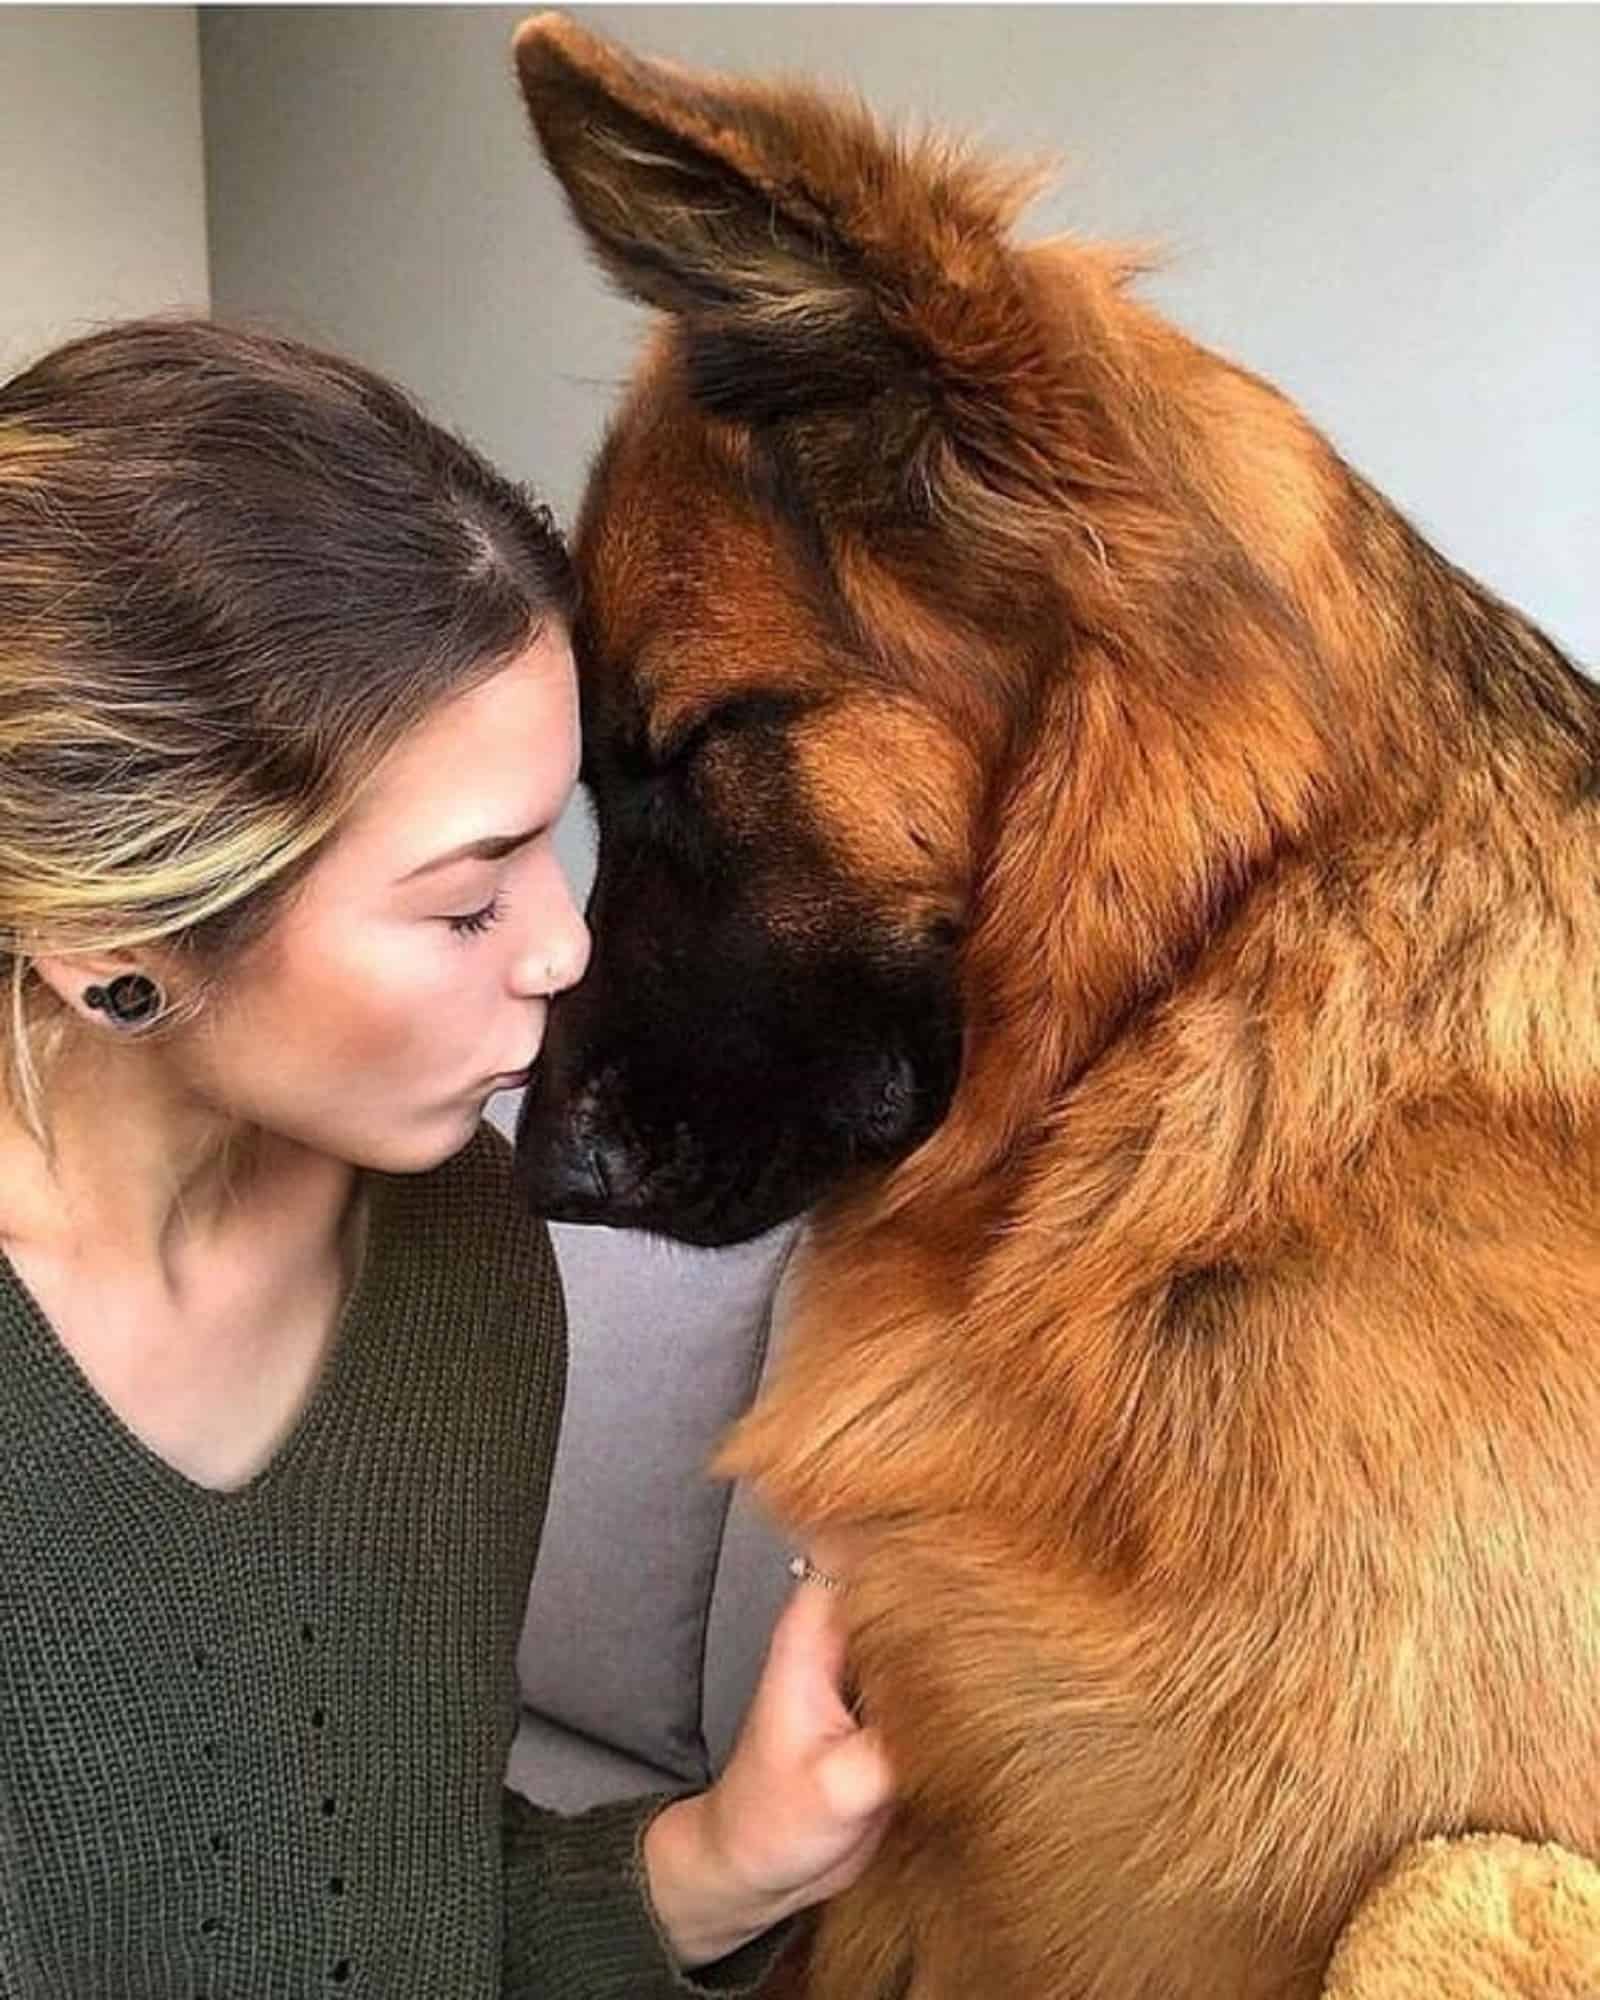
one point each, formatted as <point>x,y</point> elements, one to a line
<point>694,591</point>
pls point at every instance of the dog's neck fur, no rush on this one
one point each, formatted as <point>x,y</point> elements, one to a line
<point>1218,1083</point>
<point>1252,725</point>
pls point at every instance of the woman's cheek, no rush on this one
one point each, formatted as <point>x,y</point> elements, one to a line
<point>394,988</point>
<point>414,996</point>
<point>455,994</point>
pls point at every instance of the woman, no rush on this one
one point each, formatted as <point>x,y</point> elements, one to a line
<point>287,713</point>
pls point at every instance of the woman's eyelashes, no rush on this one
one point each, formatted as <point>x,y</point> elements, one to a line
<point>523,854</point>
<point>472,922</point>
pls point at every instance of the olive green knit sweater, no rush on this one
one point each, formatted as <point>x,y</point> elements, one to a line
<point>252,1743</point>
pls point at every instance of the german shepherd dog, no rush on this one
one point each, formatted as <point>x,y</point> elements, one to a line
<point>1062,827</point>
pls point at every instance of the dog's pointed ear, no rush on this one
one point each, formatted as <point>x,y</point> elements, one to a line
<point>828,279</point>
<point>668,177</point>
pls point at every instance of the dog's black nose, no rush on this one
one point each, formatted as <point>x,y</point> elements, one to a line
<point>572,1177</point>
<point>552,1179</point>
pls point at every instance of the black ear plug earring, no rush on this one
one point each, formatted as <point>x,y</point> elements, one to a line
<point>130,1001</point>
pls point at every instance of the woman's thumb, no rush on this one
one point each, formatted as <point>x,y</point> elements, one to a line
<point>855,1775</point>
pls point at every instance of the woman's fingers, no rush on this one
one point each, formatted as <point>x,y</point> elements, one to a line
<point>853,1769</point>
<point>810,1635</point>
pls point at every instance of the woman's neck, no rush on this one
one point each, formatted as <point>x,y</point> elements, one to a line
<point>141,1172</point>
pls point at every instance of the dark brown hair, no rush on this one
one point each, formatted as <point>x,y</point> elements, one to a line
<point>234,571</point>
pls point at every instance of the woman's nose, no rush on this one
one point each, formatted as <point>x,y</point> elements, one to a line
<point>557,953</point>
<point>568,964</point>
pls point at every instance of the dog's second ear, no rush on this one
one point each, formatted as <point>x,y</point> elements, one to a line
<point>856,293</point>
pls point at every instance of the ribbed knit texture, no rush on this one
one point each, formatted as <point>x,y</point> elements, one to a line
<point>252,1743</point>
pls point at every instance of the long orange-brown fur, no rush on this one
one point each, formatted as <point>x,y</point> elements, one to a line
<point>1210,1408</point>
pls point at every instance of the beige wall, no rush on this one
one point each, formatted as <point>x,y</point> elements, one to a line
<point>102,170</point>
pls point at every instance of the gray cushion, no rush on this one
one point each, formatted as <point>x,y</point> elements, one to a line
<point>666,1346</point>
<point>554,1767</point>
<point>753,1579</point>
<point>752,1583</point>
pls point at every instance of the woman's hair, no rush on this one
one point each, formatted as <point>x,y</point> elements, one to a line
<point>234,571</point>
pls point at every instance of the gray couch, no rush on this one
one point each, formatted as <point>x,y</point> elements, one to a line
<point>656,1588</point>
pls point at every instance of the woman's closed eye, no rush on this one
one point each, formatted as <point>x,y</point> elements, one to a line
<point>472,922</point>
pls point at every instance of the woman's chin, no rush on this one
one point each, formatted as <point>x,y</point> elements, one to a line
<point>426,1147</point>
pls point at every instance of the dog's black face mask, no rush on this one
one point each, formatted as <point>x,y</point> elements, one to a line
<point>749,1032</point>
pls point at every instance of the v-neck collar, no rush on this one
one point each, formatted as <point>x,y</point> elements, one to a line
<point>122,1448</point>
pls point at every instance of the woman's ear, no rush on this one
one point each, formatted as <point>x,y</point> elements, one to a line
<point>116,990</point>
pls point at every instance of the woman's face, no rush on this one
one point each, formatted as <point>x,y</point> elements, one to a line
<point>409,978</point>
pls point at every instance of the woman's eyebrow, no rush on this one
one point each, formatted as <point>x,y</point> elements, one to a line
<point>494,847</point>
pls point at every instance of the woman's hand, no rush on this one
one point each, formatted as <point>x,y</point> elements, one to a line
<point>797,1814</point>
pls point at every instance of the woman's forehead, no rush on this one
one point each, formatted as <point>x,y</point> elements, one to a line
<point>496,760</point>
